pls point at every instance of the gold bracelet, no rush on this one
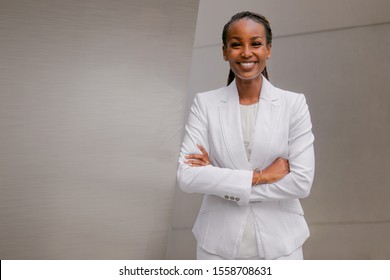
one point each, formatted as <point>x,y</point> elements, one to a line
<point>258,179</point>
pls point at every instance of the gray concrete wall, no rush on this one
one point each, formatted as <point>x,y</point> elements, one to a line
<point>336,52</point>
<point>91,113</point>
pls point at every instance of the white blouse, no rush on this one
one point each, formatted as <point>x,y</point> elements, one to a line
<point>249,242</point>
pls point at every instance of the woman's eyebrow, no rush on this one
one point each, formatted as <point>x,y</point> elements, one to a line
<point>254,37</point>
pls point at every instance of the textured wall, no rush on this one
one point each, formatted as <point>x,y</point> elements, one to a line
<point>336,52</point>
<point>91,113</point>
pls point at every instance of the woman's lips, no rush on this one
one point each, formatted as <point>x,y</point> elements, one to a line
<point>247,64</point>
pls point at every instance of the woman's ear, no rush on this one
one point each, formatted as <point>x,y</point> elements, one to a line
<point>269,51</point>
<point>224,53</point>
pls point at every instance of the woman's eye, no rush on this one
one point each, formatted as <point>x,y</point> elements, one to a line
<point>235,44</point>
<point>256,44</point>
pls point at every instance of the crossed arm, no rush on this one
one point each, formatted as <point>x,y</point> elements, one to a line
<point>284,178</point>
<point>274,172</point>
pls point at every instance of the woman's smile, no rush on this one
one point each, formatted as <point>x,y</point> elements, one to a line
<point>247,65</point>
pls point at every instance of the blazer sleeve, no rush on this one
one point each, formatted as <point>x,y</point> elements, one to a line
<point>298,182</point>
<point>234,185</point>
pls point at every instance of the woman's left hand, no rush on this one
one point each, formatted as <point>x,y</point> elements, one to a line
<point>197,160</point>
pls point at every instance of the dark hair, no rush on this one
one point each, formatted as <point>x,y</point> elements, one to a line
<point>255,17</point>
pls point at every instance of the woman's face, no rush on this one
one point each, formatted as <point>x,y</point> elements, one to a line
<point>246,49</point>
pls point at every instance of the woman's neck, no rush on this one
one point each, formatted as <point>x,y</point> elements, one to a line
<point>249,90</point>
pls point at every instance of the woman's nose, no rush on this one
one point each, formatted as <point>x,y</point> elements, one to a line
<point>246,52</point>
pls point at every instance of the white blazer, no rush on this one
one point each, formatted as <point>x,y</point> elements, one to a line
<point>282,129</point>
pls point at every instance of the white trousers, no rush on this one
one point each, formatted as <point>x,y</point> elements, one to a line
<point>202,254</point>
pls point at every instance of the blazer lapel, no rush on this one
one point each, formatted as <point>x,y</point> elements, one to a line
<point>266,123</point>
<point>230,119</point>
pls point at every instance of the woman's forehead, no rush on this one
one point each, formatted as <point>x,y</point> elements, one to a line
<point>245,27</point>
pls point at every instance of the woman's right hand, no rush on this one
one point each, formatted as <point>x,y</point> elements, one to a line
<point>197,160</point>
<point>279,168</point>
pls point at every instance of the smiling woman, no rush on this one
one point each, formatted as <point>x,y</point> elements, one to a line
<point>248,148</point>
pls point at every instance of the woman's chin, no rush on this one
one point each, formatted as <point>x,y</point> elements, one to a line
<point>247,76</point>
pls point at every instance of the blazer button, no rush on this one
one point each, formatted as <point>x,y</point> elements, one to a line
<point>232,198</point>
<point>237,199</point>
<point>226,196</point>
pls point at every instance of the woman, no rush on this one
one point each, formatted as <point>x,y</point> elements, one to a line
<point>248,148</point>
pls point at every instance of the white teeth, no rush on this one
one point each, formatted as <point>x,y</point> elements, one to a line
<point>247,64</point>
